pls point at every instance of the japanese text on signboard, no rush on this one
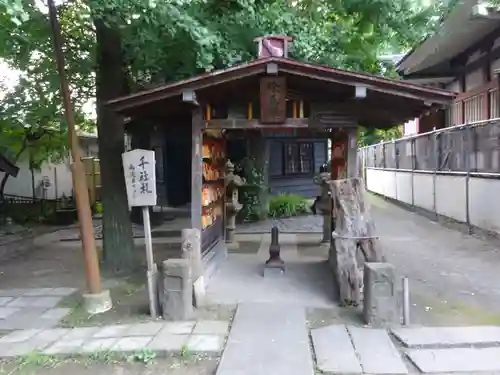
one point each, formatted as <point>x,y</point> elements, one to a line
<point>139,167</point>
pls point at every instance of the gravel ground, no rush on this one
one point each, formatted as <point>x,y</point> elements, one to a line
<point>454,278</point>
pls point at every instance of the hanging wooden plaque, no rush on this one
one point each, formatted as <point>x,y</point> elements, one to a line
<point>272,100</point>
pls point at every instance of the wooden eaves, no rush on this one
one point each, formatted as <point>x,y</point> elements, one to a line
<point>392,97</point>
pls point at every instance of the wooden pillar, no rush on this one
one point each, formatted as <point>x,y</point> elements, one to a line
<point>352,153</point>
<point>196,167</point>
<point>191,240</point>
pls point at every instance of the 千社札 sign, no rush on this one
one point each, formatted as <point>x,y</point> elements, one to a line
<point>140,179</point>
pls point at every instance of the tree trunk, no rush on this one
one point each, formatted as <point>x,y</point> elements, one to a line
<point>118,242</point>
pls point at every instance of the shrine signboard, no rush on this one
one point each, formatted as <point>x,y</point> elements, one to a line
<point>139,168</point>
<point>140,181</point>
<point>272,100</point>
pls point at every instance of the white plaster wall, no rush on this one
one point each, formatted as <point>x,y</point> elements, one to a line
<point>450,197</point>
<point>484,206</point>
<point>474,79</point>
<point>423,190</point>
<point>484,203</point>
<point>381,182</point>
<point>404,187</point>
<point>58,173</point>
<point>374,180</point>
<point>454,86</point>
<point>390,184</point>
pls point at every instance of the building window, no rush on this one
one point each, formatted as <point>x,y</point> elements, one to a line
<point>298,158</point>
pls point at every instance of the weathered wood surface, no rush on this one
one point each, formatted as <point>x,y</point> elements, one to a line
<point>354,242</point>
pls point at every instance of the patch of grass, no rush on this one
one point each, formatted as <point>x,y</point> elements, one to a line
<point>185,353</point>
<point>37,359</point>
<point>104,357</point>
<point>144,356</point>
<point>286,205</point>
<point>130,304</point>
<point>469,314</point>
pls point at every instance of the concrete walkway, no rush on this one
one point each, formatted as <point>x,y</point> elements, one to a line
<point>307,281</point>
<point>268,339</point>
<point>454,278</point>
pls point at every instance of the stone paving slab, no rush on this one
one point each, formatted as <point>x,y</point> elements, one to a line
<point>166,337</point>
<point>334,350</point>
<point>446,337</point>
<point>267,339</point>
<point>464,360</point>
<point>377,353</point>
<point>32,308</point>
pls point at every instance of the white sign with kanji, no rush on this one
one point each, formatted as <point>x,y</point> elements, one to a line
<point>140,179</point>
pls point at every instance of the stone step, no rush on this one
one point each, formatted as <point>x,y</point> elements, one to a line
<point>267,339</point>
<point>447,337</point>
<point>334,350</point>
<point>463,360</point>
<point>377,354</point>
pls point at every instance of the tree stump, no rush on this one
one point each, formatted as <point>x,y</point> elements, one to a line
<point>354,239</point>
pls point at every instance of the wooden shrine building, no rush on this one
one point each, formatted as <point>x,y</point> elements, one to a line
<point>273,94</point>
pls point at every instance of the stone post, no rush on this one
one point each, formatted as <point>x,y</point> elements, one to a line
<point>380,305</point>
<point>233,182</point>
<point>177,296</point>
<point>274,264</point>
<point>191,251</point>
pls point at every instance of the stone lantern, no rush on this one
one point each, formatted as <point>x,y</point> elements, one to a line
<point>232,183</point>
<point>324,205</point>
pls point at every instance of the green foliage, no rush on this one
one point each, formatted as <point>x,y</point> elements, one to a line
<point>28,213</point>
<point>286,205</point>
<point>34,106</point>
<point>97,209</point>
<point>167,40</point>
<point>144,356</point>
<point>14,11</point>
<point>251,192</point>
<point>371,136</point>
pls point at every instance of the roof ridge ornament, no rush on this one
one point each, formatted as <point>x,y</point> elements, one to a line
<point>273,46</point>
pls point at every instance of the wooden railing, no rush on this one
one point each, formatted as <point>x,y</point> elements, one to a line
<point>478,104</point>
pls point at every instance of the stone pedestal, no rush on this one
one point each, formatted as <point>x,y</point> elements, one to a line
<point>177,296</point>
<point>97,303</point>
<point>380,305</point>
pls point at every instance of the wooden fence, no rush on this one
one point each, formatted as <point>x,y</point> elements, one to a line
<point>93,175</point>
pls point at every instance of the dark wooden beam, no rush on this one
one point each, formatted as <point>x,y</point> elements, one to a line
<point>144,98</point>
<point>253,124</point>
<point>482,45</point>
<point>374,87</point>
